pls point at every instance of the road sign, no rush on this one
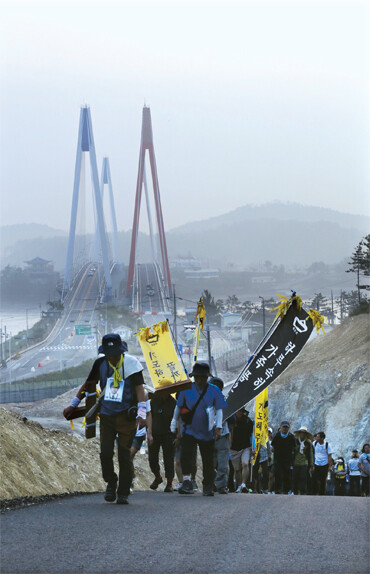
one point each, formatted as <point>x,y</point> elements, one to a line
<point>83,330</point>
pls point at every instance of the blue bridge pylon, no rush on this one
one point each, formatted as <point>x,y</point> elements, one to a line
<point>85,143</point>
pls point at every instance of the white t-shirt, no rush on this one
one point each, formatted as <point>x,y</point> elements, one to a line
<point>142,431</point>
<point>353,467</point>
<point>321,453</point>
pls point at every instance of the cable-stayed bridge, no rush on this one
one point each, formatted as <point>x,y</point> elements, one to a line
<point>94,269</point>
<point>101,251</point>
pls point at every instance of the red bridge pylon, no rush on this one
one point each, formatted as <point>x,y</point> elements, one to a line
<point>147,144</point>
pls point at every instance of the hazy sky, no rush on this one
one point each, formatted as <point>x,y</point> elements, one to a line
<point>250,102</point>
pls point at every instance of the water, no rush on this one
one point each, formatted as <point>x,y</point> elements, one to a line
<point>14,321</point>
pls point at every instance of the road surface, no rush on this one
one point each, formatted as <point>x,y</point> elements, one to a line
<point>165,533</point>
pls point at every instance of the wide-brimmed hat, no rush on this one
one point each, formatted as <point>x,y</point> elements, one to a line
<point>304,429</point>
<point>201,369</point>
<point>112,344</point>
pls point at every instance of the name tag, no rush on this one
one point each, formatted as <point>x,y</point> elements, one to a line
<point>113,393</point>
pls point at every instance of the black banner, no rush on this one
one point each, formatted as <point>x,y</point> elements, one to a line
<point>281,348</point>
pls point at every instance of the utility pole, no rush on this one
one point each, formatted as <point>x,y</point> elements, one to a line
<point>209,346</point>
<point>341,306</point>
<point>174,314</point>
<point>263,315</point>
<point>27,326</point>
<point>10,357</point>
<point>332,307</point>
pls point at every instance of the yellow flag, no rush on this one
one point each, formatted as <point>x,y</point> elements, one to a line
<point>200,318</point>
<point>161,358</point>
<point>261,421</point>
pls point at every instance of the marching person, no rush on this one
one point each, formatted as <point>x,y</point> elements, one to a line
<point>123,408</point>
<point>141,433</point>
<point>201,411</point>
<point>162,408</point>
<point>364,466</point>
<point>354,474</point>
<point>303,461</point>
<point>283,444</point>
<point>340,472</point>
<point>241,449</point>
<point>222,448</point>
<point>323,463</point>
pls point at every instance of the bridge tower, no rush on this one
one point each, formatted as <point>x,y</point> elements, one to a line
<point>147,145</point>
<point>106,179</point>
<point>85,143</point>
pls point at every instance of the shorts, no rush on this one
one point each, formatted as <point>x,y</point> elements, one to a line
<point>240,457</point>
<point>138,441</point>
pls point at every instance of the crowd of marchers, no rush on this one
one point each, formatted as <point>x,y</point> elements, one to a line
<point>291,461</point>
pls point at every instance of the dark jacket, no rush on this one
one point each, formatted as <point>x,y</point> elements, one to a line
<point>284,448</point>
<point>242,434</point>
<point>162,413</point>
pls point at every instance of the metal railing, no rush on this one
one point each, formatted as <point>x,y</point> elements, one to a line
<point>30,392</point>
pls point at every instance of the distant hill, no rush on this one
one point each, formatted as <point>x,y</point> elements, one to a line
<point>10,234</point>
<point>279,211</point>
<point>282,233</point>
<point>25,241</point>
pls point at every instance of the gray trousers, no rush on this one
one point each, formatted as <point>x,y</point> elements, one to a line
<point>221,461</point>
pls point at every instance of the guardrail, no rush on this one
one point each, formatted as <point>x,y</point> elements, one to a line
<point>30,392</point>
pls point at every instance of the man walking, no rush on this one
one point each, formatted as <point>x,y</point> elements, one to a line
<point>283,444</point>
<point>162,408</point>
<point>241,449</point>
<point>201,411</point>
<point>122,409</point>
<point>303,461</point>
<point>222,448</point>
<point>323,463</point>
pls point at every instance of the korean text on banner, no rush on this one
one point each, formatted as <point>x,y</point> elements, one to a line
<point>163,363</point>
<point>261,421</point>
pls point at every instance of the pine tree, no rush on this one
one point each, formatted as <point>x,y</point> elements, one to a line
<point>357,265</point>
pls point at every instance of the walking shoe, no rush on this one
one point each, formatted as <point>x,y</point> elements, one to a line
<point>156,482</point>
<point>244,489</point>
<point>222,491</point>
<point>265,492</point>
<point>186,488</point>
<point>121,499</point>
<point>208,491</point>
<point>178,486</point>
<point>291,493</point>
<point>110,492</point>
<point>168,488</point>
<point>194,483</point>
<point>239,489</point>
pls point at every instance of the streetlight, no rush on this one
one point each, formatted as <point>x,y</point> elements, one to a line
<point>263,314</point>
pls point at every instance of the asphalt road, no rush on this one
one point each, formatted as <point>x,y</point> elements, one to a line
<point>63,348</point>
<point>165,533</point>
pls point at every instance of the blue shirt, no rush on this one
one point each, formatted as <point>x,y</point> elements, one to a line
<point>199,425</point>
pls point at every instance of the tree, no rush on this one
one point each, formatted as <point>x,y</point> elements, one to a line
<point>359,264</point>
<point>209,304</point>
<point>365,263</point>
<point>233,304</point>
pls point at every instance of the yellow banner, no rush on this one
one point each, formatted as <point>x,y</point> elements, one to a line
<point>261,421</point>
<point>200,318</point>
<point>161,358</point>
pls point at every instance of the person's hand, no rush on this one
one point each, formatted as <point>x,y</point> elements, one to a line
<point>68,412</point>
<point>176,440</point>
<point>150,439</point>
<point>141,422</point>
<point>217,434</point>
